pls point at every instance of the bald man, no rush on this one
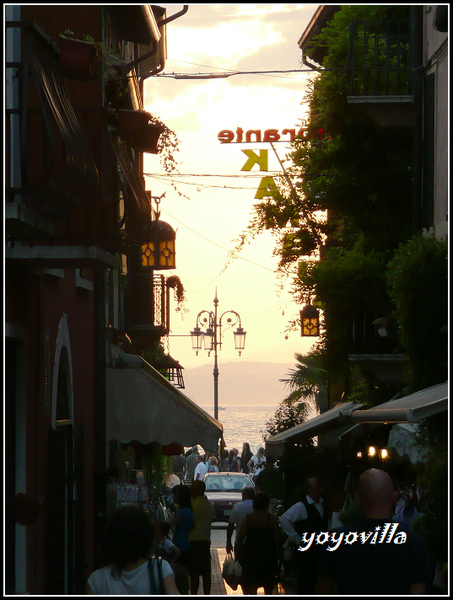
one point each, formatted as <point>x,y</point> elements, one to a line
<point>373,555</point>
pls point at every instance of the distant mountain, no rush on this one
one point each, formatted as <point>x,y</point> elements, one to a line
<point>239,383</point>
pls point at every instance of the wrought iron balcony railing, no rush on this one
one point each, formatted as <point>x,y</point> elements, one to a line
<point>378,62</point>
<point>147,306</point>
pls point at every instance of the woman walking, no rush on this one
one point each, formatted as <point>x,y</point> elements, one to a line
<point>257,548</point>
<point>129,569</point>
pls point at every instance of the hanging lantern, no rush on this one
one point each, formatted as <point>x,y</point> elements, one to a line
<point>309,321</point>
<point>197,339</point>
<point>171,370</point>
<point>239,339</point>
<point>159,252</point>
<point>209,340</point>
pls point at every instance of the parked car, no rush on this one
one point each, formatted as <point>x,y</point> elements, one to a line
<point>224,490</point>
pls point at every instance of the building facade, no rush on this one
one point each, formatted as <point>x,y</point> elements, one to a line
<point>77,217</point>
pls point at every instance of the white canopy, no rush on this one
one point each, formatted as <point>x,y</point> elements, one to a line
<point>420,405</point>
<point>402,440</point>
<point>331,419</point>
<point>142,405</point>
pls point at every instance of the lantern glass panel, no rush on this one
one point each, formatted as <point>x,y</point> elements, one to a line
<point>310,327</point>
<point>208,339</point>
<point>167,254</point>
<point>197,339</point>
<point>148,258</point>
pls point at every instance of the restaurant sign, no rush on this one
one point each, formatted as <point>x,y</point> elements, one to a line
<point>267,186</point>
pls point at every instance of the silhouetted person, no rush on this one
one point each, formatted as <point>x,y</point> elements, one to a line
<point>239,511</point>
<point>245,457</point>
<point>200,539</point>
<point>375,555</point>
<point>257,547</point>
<point>191,463</point>
<point>305,517</point>
<point>126,548</point>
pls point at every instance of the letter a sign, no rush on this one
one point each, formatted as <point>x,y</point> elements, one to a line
<point>266,187</point>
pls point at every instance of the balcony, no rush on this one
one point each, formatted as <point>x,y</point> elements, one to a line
<point>378,77</point>
<point>147,305</point>
<point>372,343</point>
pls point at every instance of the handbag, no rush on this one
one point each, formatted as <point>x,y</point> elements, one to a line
<point>156,590</point>
<point>231,571</point>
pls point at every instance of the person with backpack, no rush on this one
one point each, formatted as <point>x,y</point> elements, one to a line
<point>129,569</point>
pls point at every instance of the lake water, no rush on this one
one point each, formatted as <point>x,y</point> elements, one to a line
<point>243,424</point>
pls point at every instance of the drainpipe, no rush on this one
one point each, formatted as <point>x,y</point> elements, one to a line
<point>100,479</point>
<point>308,64</point>
<point>182,12</point>
<point>161,24</point>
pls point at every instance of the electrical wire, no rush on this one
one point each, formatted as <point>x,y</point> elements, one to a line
<point>250,176</point>
<point>170,179</point>
<point>226,72</point>
<point>201,187</point>
<point>215,243</point>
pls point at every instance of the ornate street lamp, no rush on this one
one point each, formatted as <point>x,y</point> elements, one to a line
<point>212,339</point>
<point>309,321</point>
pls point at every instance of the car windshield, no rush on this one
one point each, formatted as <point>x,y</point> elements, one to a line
<point>227,484</point>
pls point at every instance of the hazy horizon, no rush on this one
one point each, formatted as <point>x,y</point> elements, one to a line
<point>246,383</point>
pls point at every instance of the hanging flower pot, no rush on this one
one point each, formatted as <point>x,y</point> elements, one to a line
<point>140,129</point>
<point>78,59</point>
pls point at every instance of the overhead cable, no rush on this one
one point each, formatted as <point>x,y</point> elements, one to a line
<point>230,74</point>
<point>215,243</point>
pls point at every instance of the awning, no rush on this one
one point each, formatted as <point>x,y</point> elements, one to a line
<point>142,405</point>
<point>411,409</point>
<point>402,441</point>
<point>334,418</point>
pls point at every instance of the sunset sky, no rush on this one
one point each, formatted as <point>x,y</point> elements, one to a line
<point>215,38</point>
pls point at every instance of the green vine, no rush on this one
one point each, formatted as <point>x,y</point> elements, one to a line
<point>175,283</point>
<point>417,278</point>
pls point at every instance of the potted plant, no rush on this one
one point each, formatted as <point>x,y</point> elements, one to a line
<point>175,283</point>
<point>141,129</point>
<point>79,59</point>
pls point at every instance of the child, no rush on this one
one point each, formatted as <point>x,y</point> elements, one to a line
<point>213,468</point>
<point>165,547</point>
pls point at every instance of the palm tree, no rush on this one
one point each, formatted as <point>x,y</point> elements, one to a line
<point>308,385</point>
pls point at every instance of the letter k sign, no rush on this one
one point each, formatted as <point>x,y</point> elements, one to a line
<point>254,159</point>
